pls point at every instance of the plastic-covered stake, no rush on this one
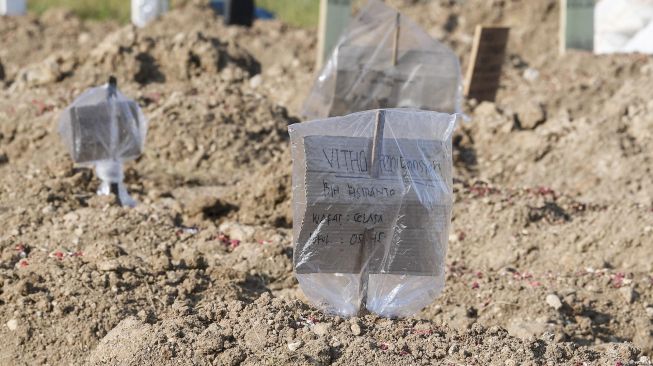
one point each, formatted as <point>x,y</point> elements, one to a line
<point>145,11</point>
<point>384,60</point>
<point>372,199</point>
<point>104,128</point>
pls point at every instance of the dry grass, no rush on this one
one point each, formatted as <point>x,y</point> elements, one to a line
<point>87,9</point>
<point>303,13</point>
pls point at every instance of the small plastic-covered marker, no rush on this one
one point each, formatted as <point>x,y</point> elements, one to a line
<point>103,128</point>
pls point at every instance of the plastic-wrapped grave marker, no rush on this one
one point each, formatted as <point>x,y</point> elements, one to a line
<point>372,199</point>
<point>13,7</point>
<point>104,128</point>
<point>384,60</point>
<point>145,11</point>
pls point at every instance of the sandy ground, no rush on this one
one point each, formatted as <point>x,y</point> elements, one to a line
<point>549,256</point>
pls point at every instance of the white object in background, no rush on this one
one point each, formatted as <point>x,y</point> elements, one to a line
<point>13,7</point>
<point>623,26</point>
<point>145,11</point>
<point>642,42</point>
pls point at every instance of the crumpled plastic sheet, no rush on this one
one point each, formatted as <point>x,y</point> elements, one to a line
<point>623,26</point>
<point>361,74</point>
<point>372,200</point>
<point>103,128</point>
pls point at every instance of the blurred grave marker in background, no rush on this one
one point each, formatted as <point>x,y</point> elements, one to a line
<point>334,19</point>
<point>576,25</point>
<point>385,60</point>
<point>145,11</point>
<point>239,12</point>
<point>259,13</point>
<point>13,7</point>
<point>104,128</point>
<point>486,61</point>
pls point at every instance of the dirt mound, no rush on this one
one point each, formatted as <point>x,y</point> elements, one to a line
<point>273,331</point>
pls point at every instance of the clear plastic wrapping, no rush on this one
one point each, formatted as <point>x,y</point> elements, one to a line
<point>104,128</point>
<point>384,60</point>
<point>372,199</point>
<point>623,26</point>
<point>145,11</point>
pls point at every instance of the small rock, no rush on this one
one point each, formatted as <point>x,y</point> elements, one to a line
<point>256,337</point>
<point>71,217</point>
<point>649,311</point>
<point>256,81</point>
<point>529,115</point>
<point>485,109</point>
<point>628,294</point>
<point>294,346</point>
<point>453,349</point>
<point>526,329</point>
<point>210,340</point>
<point>83,38</point>
<point>12,324</point>
<point>356,329</point>
<point>108,265</point>
<point>321,329</point>
<point>238,231</point>
<point>554,301</point>
<point>510,362</point>
<point>4,159</point>
<point>531,74</point>
<point>471,312</point>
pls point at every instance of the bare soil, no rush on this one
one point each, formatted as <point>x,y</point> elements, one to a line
<point>549,257</point>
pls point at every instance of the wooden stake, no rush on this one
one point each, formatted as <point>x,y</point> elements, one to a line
<point>395,46</point>
<point>334,19</point>
<point>377,143</point>
<point>114,188</point>
<point>368,235</point>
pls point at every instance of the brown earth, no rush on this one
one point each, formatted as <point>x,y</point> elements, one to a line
<point>549,255</point>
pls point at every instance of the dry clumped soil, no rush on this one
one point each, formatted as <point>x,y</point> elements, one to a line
<point>549,253</point>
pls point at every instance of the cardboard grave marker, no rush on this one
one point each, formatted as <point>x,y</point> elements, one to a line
<point>576,25</point>
<point>13,7</point>
<point>334,19</point>
<point>363,212</point>
<point>145,11</point>
<point>486,62</point>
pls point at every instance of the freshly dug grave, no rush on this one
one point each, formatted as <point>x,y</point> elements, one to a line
<point>553,221</point>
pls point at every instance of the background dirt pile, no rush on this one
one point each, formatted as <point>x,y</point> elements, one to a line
<point>549,259</point>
